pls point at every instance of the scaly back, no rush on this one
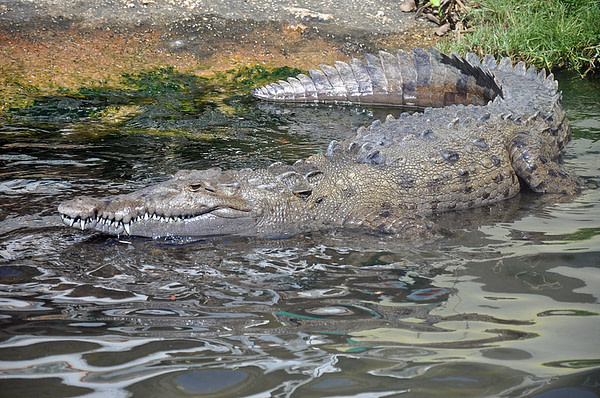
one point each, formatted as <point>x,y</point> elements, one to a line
<point>417,78</point>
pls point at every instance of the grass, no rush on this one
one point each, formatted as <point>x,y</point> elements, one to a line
<point>555,34</point>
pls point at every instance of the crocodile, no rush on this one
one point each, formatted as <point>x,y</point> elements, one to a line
<point>485,128</point>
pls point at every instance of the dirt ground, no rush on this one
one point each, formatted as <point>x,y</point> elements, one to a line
<point>52,45</point>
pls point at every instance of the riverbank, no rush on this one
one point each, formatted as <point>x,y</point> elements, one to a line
<point>49,47</point>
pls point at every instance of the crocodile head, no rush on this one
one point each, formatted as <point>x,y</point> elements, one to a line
<point>192,203</point>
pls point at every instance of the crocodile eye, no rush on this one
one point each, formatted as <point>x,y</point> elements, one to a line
<point>197,186</point>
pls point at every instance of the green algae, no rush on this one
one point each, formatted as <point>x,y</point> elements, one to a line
<point>247,77</point>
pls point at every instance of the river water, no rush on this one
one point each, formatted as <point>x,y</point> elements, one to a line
<point>506,305</point>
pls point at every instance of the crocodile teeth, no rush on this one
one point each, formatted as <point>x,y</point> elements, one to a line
<point>111,224</point>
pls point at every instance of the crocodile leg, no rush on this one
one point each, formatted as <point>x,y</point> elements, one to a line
<point>386,221</point>
<point>532,161</point>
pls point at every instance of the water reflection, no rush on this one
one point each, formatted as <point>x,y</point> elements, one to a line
<point>507,304</point>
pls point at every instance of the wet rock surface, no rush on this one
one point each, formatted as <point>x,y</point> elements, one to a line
<point>375,16</point>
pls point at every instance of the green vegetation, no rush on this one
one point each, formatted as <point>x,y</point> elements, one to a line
<point>547,33</point>
<point>247,77</point>
<point>160,81</point>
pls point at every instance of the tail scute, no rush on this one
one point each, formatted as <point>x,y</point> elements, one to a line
<point>417,78</point>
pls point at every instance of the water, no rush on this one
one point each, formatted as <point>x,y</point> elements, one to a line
<point>507,305</point>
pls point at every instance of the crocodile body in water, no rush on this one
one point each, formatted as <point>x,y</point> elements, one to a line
<point>488,127</point>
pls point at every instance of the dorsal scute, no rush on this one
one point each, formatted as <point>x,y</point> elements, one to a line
<point>406,78</point>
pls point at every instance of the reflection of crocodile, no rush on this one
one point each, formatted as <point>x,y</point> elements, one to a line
<point>485,124</point>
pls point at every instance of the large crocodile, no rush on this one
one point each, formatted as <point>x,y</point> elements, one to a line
<point>487,127</point>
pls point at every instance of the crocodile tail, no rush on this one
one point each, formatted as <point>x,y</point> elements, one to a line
<point>416,78</point>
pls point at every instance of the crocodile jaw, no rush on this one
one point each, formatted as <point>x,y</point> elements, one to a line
<point>192,203</point>
<point>149,225</point>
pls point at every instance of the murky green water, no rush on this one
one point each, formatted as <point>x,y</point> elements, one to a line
<point>508,305</point>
